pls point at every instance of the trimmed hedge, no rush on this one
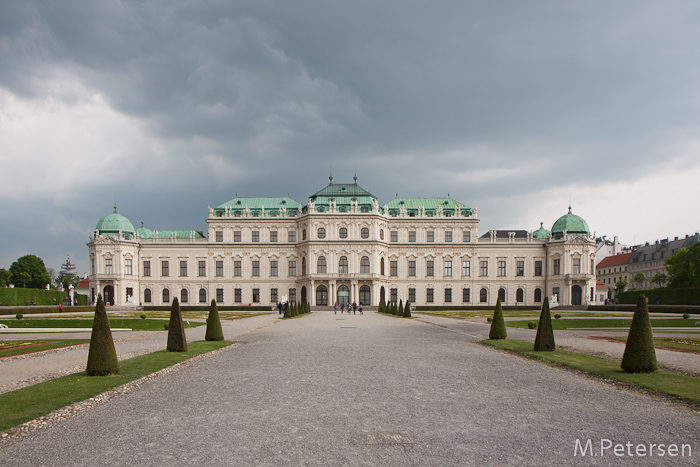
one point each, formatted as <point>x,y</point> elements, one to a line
<point>668,296</point>
<point>18,296</point>
<point>205,308</point>
<point>33,310</point>
<point>692,309</point>
<point>472,308</point>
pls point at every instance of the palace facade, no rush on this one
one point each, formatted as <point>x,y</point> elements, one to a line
<point>342,246</point>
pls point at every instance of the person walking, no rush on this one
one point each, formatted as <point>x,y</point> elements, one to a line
<point>335,307</point>
<point>360,307</point>
<point>354,307</point>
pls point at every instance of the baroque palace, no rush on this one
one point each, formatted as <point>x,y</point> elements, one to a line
<point>344,247</point>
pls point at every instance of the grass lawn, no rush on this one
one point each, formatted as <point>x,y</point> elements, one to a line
<point>130,323</point>
<point>684,387</point>
<point>187,314</point>
<point>672,343</point>
<point>9,348</point>
<point>28,403</point>
<point>561,324</point>
<point>515,314</point>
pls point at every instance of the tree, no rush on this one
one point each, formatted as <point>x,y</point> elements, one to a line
<point>36,276</point>
<point>399,311</point>
<point>102,357</point>
<point>659,279</point>
<point>407,310</point>
<point>287,310</point>
<point>498,324</point>
<point>177,341</point>
<point>5,276</point>
<point>621,285</point>
<point>65,280</point>
<point>544,340</point>
<point>214,331</point>
<point>684,267</point>
<point>639,278</point>
<point>640,355</point>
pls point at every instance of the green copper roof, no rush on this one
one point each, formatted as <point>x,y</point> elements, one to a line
<point>111,224</point>
<point>255,205</point>
<point>143,232</point>
<point>430,205</point>
<point>541,232</point>
<point>571,224</point>
<point>178,234</point>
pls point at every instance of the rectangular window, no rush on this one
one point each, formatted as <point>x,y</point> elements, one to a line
<point>430,237</point>
<point>394,268</point>
<point>429,296</point>
<point>412,269</point>
<point>256,295</point>
<point>577,266</point>
<point>237,269</point>
<point>412,236</point>
<point>430,268</point>
<point>237,236</point>
<point>127,268</point>
<point>483,267</point>
<point>273,236</point>
<point>448,236</point>
<point>292,236</point>
<point>466,236</point>
<point>183,268</point>
<point>448,268</point>
<point>538,268</point>
<point>108,266</point>
<point>501,267</point>
<point>237,296</point>
<point>466,295</point>
<point>292,269</point>
<point>448,295</point>
<point>466,268</point>
<point>393,295</point>
<point>273,295</point>
<point>164,268</point>
<point>412,295</point>
<point>520,268</point>
<point>556,269</point>
<point>273,269</point>
<point>256,268</point>
<point>292,295</point>
<point>219,268</point>
<point>219,295</point>
<point>256,236</point>
<point>147,268</point>
<point>219,236</point>
<point>394,236</point>
<point>92,265</point>
<point>202,269</point>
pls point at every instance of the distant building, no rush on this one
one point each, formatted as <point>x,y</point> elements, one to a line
<point>342,246</point>
<point>650,259</point>
<point>605,248</point>
<point>612,269</point>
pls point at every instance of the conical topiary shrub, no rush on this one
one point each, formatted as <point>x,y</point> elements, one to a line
<point>287,310</point>
<point>407,310</point>
<point>102,357</point>
<point>177,342</point>
<point>640,355</point>
<point>544,340</point>
<point>381,307</point>
<point>214,331</point>
<point>498,325</point>
<point>399,311</point>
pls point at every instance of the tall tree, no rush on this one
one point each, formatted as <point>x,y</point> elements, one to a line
<point>36,276</point>
<point>621,285</point>
<point>639,278</point>
<point>102,357</point>
<point>684,267</point>
<point>5,276</point>
<point>659,279</point>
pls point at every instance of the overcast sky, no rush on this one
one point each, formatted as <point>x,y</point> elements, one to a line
<point>516,108</point>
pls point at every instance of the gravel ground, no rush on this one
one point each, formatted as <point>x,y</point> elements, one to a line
<point>363,390</point>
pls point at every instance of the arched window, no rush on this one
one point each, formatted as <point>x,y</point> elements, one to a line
<point>321,295</point>
<point>364,265</point>
<point>484,295</point>
<point>520,295</point>
<point>321,265</point>
<point>343,232</point>
<point>381,267</point>
<point>321,232</point>
<point>202,296</point>
<point>538,295</point>
<point>365,295</point>
<point>343,265</point>
<point>147,296</point>
<point>364,232</point>
<point>381,234</point>
<point>166,296</point>
<point>183,296</point>
<point>502,294</point>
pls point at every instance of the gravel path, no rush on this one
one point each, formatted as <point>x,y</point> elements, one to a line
<point>363,390</point>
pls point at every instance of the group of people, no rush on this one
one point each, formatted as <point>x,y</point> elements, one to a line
<point>347,308</point>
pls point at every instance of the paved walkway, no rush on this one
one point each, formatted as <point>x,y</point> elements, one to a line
<point>363,390</point>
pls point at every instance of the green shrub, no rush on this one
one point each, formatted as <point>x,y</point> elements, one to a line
<point>165,326</point>
<point>19,316</point>
<point>399,311</point>
<point>557,316</point>
<point>544,340</point>
<point>498,326</point>
<point>531,325</point>
<point>177,342</point>
<point>102,357</point>
<point>489,319</point>
<point>407,310</point>
<point>143,315</point>
<point>214,331</point>
<point>640,355</point>
<point>686,316</point>
<point>18,296</point>
<point>667,295</point>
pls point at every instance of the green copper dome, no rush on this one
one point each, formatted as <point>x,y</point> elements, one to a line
<point>571,224</point>
<point>143,232</point>
<point>111,224</point>
<point>541,232</point>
